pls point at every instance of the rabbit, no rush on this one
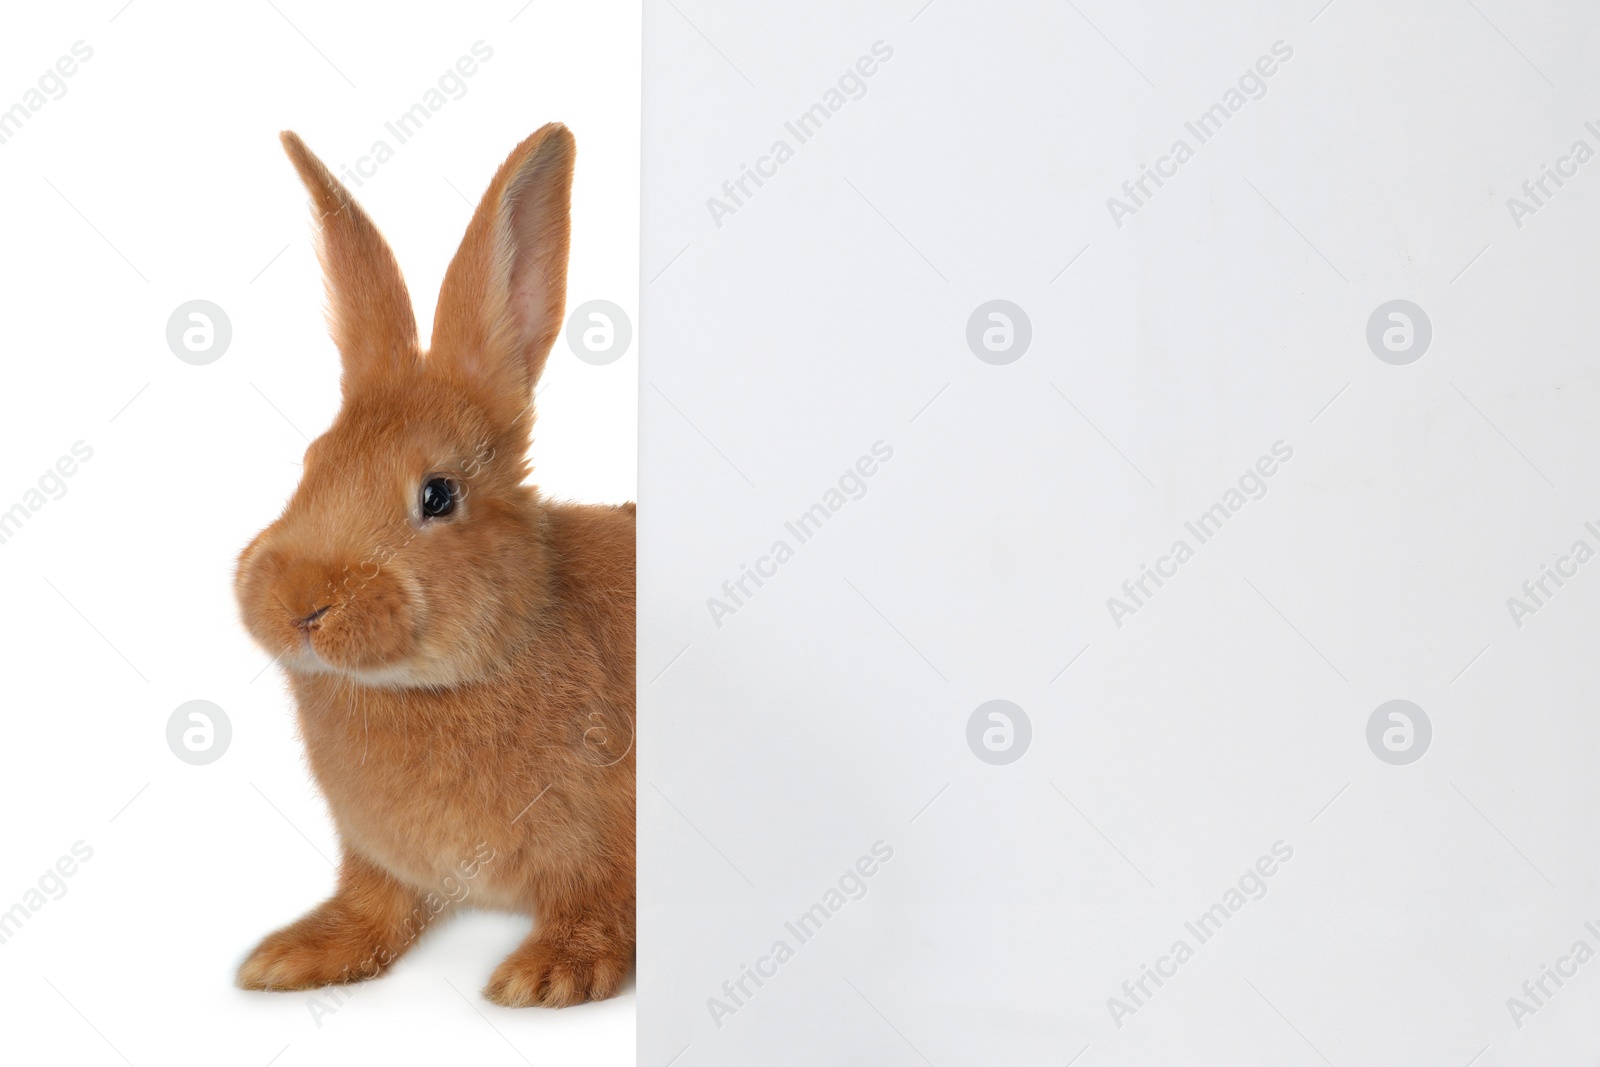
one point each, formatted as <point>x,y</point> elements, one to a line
<point>460,650</point>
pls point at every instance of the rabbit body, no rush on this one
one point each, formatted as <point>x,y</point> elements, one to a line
<point>461,650</point>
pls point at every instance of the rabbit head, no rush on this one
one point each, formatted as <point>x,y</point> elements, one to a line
<point>411,552</point>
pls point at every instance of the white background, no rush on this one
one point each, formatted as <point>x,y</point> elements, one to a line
<point>829,312</point>
<point>157,179</point>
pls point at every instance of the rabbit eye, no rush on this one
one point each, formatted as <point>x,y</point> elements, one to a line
<point>439,496</point>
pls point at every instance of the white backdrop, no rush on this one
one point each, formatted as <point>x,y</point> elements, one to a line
<point>148,177</point>
<point>988,894</point>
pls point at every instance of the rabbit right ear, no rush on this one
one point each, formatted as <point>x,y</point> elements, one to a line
<point>369,310</point>
<point>504,296</point>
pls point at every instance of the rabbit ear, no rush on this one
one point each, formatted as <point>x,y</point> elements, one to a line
<point>504,296</point>
<point>369,311</point>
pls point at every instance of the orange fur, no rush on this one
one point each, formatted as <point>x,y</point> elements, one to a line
<point>465,684</point>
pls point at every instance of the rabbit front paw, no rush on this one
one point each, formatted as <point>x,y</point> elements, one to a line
<point>555,971</point>
<point>309,955</point>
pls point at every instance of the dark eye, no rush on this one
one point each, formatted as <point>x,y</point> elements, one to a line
<point>439,497</point>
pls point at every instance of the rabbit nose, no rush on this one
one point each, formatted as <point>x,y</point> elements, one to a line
<point>310,621</point>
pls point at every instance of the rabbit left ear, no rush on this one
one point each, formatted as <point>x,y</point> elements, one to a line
<point>504,296</point>
<point>369,310</point>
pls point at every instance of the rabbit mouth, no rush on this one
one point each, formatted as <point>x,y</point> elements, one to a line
<point>370,643</point>
<point>370,631</point>
<point>381,626</point>
<point>378,642</point>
